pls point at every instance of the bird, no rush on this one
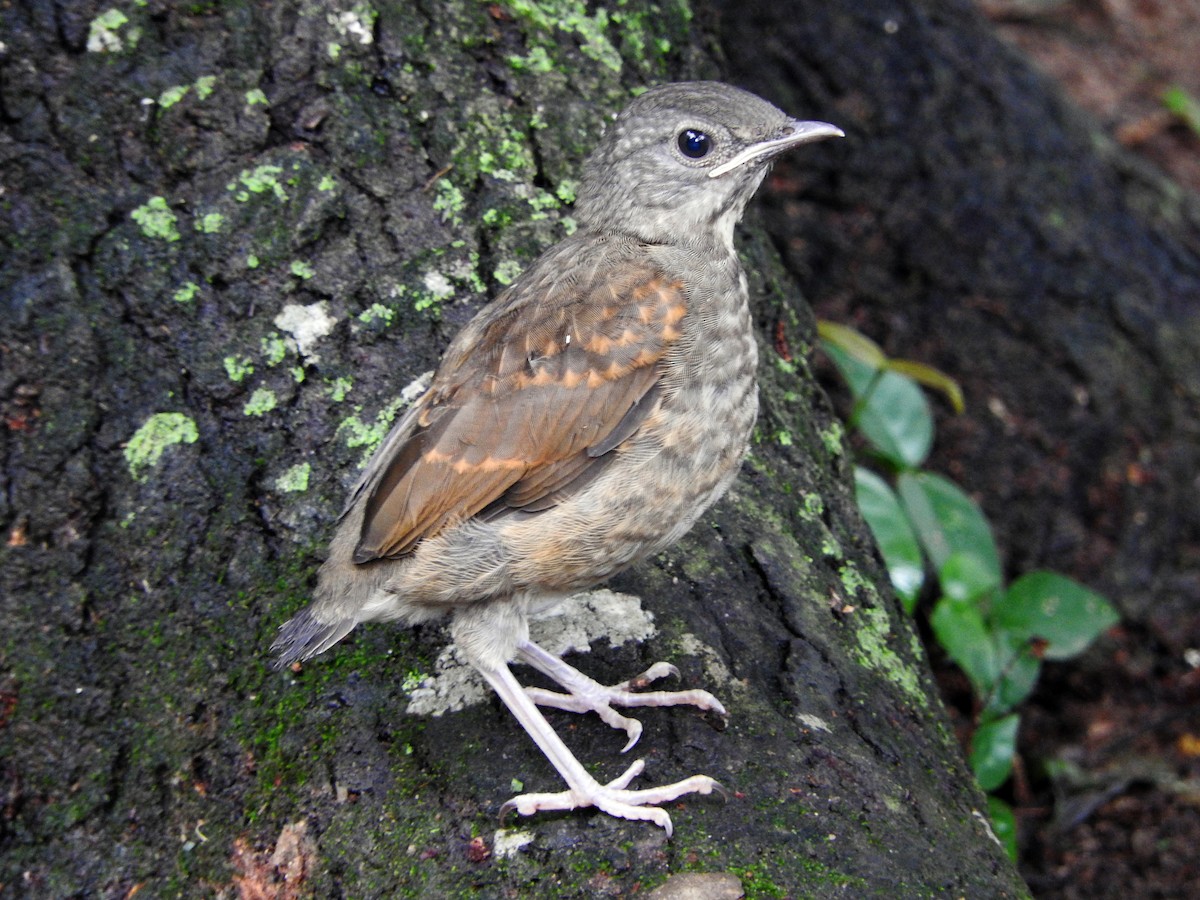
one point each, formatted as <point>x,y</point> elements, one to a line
<point>580,422</point>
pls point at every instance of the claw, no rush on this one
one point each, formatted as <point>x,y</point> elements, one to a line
<point>614,798</point>
<point>583,694</point>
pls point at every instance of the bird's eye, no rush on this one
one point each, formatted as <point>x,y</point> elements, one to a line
<point>694,144</point>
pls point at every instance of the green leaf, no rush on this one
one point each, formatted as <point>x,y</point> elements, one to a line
<point>992,749</point>
<point>1018,670</point>
<point>859,373</point>
<point>1004,825</point>
<point>890,410</point>
<point>966,577</point>
<point>961,631</point>
<point>852,343</point>
<point>1053,608</point>
<point>931,378</point>
<point>897,541</point>
<point>947,521</point>
<point>894,416</point>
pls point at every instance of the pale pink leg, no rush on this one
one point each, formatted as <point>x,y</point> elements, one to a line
<point>582,789</point>
<point>586,695</point>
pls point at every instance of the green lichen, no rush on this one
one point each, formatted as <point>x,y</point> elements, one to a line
<point>566,190</point>
<point>302,269</point>
<point>156,220</point>
<point>377,312</point>
<point>832,549</point>
<point>160,431</point>
<point>449,201</point>
<point>540,202</point>
<point>496,218</point>
<point>295,479</point>
<point>506,273</point>
<point>637,38</point>
<point>238,367</point>
<point>255,97</point>
<point>261,402</point>
<point>832,439</point>
<point>875,652</point>
<point>327,183</point>
<point>210,223</point>
<point>537,60</point>
<point>466,273</point>
<point>339,387</point>
<point>258,180</point>
<point>298,374</point>
<point>252,261</point>
<point>422,302</point>
<point>413,680</point>
<point>173,95</point>
<point>571,17</point>
<point>204,86</point>
<point>493,144</point>
<point>757,882</point>
<point>369,436</point>
<point>186,293</point>
<point>102,32</point>
<point>853,580</point>
<point>274,349</point>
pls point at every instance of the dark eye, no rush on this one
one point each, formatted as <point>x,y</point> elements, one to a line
<point>694,144</point>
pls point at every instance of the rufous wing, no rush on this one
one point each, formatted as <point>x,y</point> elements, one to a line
<point>529,403</point>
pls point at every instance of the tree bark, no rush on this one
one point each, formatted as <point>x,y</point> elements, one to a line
<point>234,235</point>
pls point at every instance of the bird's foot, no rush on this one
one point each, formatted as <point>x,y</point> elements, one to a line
<point>584,694</point>
<point>614,798</point>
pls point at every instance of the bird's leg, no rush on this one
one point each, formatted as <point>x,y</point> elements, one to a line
<point>583,694</point>
<point>582,789</point>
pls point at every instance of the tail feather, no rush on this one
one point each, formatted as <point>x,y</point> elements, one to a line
<point>304,636</point>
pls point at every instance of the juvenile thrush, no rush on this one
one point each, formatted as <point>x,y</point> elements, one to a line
<point>582,421</point>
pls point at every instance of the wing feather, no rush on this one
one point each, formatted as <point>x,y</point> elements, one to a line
<point>530,403</point>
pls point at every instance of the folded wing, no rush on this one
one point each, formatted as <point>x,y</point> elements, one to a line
<point>528,416</point>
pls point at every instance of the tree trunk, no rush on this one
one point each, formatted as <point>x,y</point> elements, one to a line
<point>235,236</point>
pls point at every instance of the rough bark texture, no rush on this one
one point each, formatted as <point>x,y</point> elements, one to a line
<point>190,384</point>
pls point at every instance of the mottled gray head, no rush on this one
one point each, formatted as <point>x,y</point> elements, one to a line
<point>686,156</point>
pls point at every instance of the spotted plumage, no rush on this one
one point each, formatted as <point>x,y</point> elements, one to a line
<point>580,422</point>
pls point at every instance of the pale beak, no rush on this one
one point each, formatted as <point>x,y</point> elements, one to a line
<point>793,134</point>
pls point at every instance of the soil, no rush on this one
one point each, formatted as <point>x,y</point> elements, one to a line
<point>1107,790</point>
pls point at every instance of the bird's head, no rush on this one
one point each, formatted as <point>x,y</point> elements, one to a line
<point>684,157</point>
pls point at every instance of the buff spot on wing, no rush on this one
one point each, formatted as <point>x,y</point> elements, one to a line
<point>599,344</point>
<point>462,467</point>
<point>543,377</point>
<point>676,308</point>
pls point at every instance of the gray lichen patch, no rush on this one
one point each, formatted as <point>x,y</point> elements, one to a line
<point>571,626</point>
<point>306,325</point>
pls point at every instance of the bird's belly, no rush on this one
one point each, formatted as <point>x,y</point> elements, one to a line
<point>682,460</point>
